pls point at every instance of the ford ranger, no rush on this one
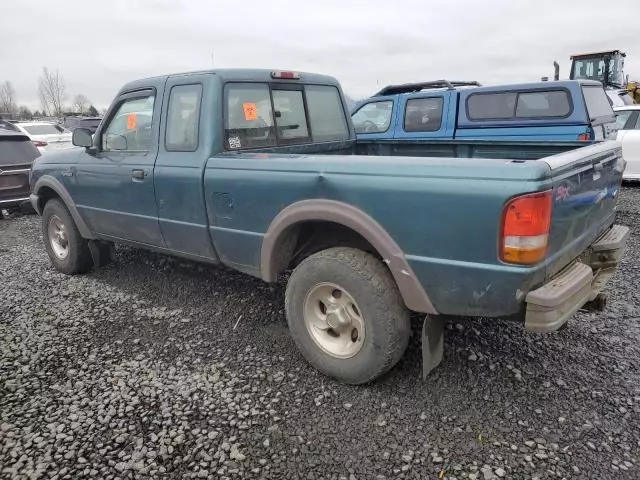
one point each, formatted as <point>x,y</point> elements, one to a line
<point>261,171</point>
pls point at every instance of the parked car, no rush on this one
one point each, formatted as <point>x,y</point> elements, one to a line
<point>17,153</point>
<point>261,171</point>
<point>628,119</point>
<point>565,111</point>
<point>90,123</point>
<point>47,136</point>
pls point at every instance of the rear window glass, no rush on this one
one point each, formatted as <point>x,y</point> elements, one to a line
<point>326,114</point>
<point>249,117</point>
<point>44,129</point>
<point>291,123</point>
<point>16,150</point>
<point>597,103</point>
<point>511,105</point>
<point>423,114</point>
<point>258,116</point>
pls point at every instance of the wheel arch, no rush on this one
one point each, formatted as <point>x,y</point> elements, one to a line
<point>281,237</point>
<point>48,187</point>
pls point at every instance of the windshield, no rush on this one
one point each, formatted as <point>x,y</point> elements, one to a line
<point>595,68</point>
<point>44,129</point>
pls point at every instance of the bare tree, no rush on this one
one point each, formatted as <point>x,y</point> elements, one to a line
<point>52,91</point>
<point>8,98</point>
<point>24,113</point>
<point>80,103</point>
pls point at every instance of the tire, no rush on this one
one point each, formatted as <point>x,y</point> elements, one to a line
<point>380,319</point>
<point>77,258</point>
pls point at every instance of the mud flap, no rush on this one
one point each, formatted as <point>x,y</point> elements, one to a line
<point>432,343</point>
<point>100,252</point>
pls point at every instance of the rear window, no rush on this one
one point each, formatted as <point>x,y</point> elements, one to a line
<point>259,116</point>
<point>525,105</point>
<point>598,105</point>
<point>328,121</point>
<point>44,129</point>
<point>16,150</point>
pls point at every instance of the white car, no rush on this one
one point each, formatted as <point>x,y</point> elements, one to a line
<point>46,136</point>
<point>628,120</point>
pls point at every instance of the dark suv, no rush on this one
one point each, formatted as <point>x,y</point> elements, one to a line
<point>17,153</point>
<point>90,123</point>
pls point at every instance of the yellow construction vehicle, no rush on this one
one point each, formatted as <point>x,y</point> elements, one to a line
<point>608,68</point>
<point>633,88</point>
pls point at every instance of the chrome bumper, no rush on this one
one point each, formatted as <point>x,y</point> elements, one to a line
<point>550,306</point>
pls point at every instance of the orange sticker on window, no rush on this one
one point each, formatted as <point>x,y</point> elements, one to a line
<point>132,121</point>
<point>250,111</point>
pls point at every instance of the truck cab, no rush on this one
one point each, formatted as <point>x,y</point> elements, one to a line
<point>563,111</point>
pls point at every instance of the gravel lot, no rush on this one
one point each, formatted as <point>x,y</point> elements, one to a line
<point>160,368</point>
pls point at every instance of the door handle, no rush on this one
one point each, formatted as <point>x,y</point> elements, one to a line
<point>138,174</point>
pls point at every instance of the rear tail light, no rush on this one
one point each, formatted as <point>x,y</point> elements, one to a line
<point>525,228</point>
<point>39,143</point>
<point>587,136</point>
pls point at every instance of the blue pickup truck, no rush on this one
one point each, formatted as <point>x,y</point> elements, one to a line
<point>261,171</point>
<point>559,111</point>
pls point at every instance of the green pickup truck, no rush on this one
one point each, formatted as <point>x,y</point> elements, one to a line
<point>261,171</point>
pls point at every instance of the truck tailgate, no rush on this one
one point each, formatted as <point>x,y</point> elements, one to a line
<point>586,183</point>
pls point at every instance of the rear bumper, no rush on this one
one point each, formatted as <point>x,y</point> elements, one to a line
<point>14,186</point>
<point>550,306</point>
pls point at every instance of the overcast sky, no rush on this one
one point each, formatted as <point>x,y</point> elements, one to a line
<point>99,45</point>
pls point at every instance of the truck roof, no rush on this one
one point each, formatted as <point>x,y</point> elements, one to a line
<point>408,88</point>
<point>228,74</point>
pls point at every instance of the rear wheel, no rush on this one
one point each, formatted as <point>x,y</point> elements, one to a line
<point>68,251</point>
<point>346,315</point>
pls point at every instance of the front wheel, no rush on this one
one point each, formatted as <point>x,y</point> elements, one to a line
<point>68,251</point>
<point>346,314</point>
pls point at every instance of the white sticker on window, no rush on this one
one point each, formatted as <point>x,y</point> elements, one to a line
<point>234,142</point>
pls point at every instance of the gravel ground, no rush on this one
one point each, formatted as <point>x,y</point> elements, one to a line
<point>159,368</point>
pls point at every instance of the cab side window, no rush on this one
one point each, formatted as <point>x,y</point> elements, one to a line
<point>374,117</point>
<point>129,130</point>
<point>183,118</point>
<point>423,114</point>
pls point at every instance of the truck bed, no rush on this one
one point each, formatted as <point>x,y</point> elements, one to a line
<point>454,206</point>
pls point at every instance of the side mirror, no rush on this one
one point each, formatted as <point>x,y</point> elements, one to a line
<point>82,138</point>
